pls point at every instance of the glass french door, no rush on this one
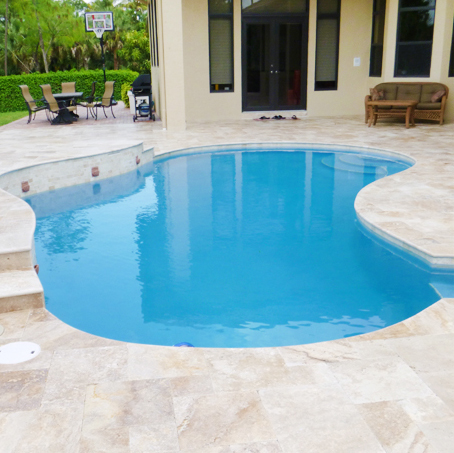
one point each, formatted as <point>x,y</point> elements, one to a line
<point>274,63</point>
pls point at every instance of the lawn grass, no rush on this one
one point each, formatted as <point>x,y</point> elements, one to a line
<point>9,117</point>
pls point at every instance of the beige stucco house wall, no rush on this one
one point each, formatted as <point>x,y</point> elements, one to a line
<point>181,81</point>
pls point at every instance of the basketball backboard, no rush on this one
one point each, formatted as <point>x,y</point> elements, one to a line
<point>99,22</point>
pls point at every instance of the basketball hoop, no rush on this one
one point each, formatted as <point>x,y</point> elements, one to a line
<point>98,22</point>
<point>98,32</point>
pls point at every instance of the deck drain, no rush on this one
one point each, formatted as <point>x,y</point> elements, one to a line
<point>18,352</point>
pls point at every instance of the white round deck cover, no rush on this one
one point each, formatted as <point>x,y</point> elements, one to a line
<point>18,352</point>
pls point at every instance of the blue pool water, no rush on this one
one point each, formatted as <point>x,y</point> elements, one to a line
<point>231,249</point>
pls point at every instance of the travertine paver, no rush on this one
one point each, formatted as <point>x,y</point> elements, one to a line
<point>388,391</point>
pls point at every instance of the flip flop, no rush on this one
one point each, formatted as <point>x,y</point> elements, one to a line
<point>277,117</point>
<point>294,117</point>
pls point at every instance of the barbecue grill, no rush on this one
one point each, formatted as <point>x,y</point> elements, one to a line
<point>143,104</point>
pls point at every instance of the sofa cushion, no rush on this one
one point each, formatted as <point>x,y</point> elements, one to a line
<point>390,90</point>
<point>436,97</point>
<point>429,106</point>
<point>376,95</point>
<point>410,92</point>
<point>429,90</point>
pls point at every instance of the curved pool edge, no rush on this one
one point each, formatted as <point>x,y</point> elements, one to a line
<point>419,251</point>
<point>434,261</point>
<point>436,319</point>
<point>285,146</point>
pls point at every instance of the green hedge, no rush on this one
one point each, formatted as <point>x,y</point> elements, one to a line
<point>11,99</point>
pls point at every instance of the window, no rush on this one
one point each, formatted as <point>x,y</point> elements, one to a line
<point>327,44</point>
<point>451,61</point>
<point>378,31</point>
<point>273,6</point>
<point>153,33</point>
<point>414,38</point>
<point>221,45</point>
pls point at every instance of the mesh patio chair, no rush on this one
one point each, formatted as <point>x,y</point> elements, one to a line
<point>107,99</point>
<point>31,103</point>
<point>89,102</point>
<point>54,108</point>
<point>69,87</point>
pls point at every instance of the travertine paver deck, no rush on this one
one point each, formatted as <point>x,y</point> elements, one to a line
<point>392,390</point>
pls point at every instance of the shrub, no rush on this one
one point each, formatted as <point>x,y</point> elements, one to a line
<point>11,99</point>
<point>124,93</point>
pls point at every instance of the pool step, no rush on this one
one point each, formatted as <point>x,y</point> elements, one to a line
<point>354,167</point>
<point>364,161</point>
<point>20,290</point>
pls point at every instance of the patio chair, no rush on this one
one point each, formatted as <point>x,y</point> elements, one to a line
<point>31,103</point>
<point>68,87</point>
<point>54,108</point>
<point>89,102</point>
<point>107,99</point>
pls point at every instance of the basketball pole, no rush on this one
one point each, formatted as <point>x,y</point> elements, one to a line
<point>103,59</point>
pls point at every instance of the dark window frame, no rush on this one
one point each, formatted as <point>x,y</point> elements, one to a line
<point>224,16</point>
<point>324,86</point>
<point>377,47</point>
<point>451,60</point>
<point>153,33</point>
<point>400,44</point>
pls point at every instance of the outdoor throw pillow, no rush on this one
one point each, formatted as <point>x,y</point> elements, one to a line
<point>377,95</point>
<point>437,96</point>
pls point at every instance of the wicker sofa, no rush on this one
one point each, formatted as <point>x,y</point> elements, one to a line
<point>417,91</point>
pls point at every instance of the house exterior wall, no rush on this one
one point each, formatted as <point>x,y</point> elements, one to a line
<point>354,42</point>
<point>201,105</point>
<point>184,76</point>
<point>441,50</point>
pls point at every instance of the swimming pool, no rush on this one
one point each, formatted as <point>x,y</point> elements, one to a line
<point>235,248</point>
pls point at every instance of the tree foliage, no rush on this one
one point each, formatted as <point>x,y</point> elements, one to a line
<point>49,35</point>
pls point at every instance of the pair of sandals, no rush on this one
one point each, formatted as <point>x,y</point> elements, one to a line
<point>278,117</point>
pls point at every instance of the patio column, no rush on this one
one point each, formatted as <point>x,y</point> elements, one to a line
<point>172,88</point>
<point>441,49</point>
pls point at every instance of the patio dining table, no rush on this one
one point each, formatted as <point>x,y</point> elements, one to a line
<point>68,96</point>
<point>66,116</point>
